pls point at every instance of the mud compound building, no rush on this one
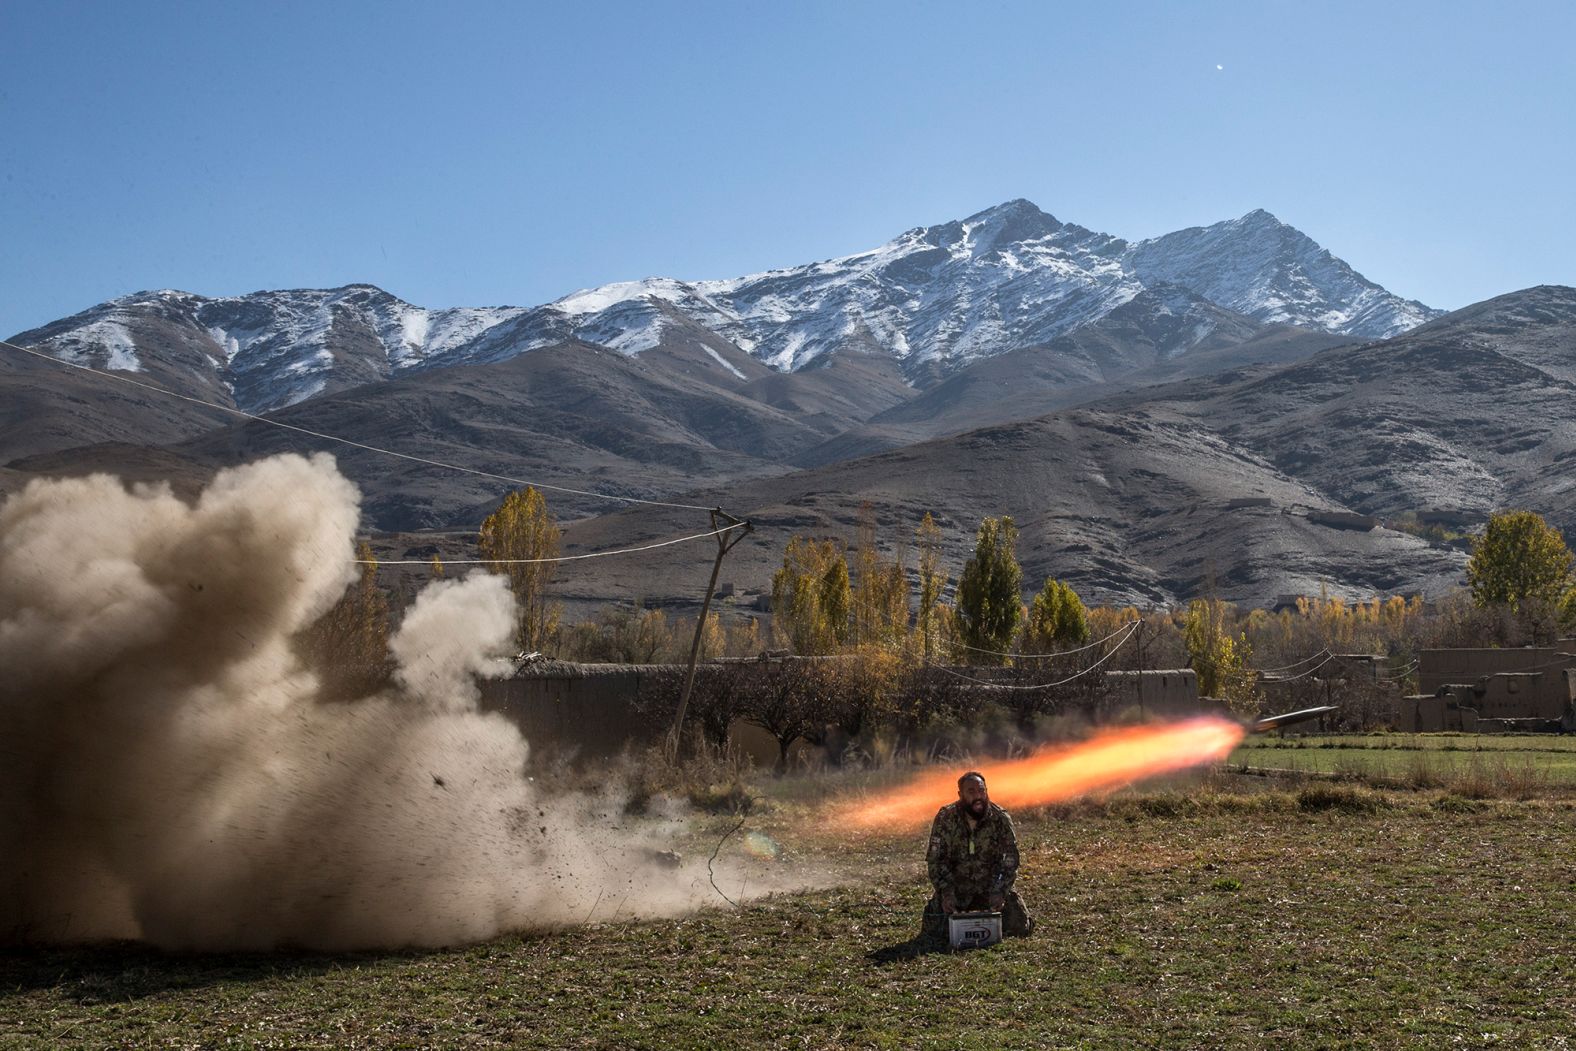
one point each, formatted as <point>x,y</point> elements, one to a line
<point>1532,689</point>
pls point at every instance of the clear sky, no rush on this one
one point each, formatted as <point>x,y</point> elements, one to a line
<point>508,153</point>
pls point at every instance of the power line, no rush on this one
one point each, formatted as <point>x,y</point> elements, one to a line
<point>1405,672</point>
<point>1296,664</point>
<point>1301,674</point>
<point>1131,629</point>
<point>537,561</point>
<point>346,441</point>
<point>1063,653</point>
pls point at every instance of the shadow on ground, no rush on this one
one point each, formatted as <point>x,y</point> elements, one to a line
<point>915,947</point>
<point>118,972</point>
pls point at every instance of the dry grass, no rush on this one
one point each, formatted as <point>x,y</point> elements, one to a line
<point>1232,913</point>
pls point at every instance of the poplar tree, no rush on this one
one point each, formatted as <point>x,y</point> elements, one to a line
<point>811,596</point>
<point>880,590</point>
<point>836,598</point>
<point>349,644</point>
<point>1057,617</point>
<point>1218,658</point>
<point>522,529</point>
<point>990,603</point>
<point>932,582</point>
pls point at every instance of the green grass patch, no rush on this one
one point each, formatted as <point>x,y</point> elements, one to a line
<point>1484,765</point>
<point>1440,742</point>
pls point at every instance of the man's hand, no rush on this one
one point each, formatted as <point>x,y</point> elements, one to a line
<point>949,903</point>
<point>997,901</point>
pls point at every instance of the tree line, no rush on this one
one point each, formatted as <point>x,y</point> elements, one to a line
<point>829,600</point>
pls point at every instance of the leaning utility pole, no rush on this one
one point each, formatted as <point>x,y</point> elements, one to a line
<point>730,531</point>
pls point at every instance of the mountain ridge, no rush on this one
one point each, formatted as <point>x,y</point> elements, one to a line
<point>934,299</point>
<point>1140,496</point>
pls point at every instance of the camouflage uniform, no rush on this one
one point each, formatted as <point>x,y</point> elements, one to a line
<point>972,864</point>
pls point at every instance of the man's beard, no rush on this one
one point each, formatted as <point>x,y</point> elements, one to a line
<point>979,807</point>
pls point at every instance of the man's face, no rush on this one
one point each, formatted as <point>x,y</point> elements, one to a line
<point>974,797</point>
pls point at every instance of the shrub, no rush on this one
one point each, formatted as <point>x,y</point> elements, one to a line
<point>1344,798</point>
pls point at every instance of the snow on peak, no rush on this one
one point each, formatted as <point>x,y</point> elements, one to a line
<point>1015,221</point>
<point>105,343</point>
<point>1003,277</point>
<point>271,348</point>
<point>1274,273</point>
<point>1259,217</point>
<point>1007,277</point>
<point>596,300</point>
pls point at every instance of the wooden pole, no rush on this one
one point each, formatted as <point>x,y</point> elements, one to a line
<point>725,542</point>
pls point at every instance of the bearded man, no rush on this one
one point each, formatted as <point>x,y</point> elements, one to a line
<point>973,861</point>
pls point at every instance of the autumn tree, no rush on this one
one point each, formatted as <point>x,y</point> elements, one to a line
<point>1519,557</point>
<point>811,596</point>
<point>1056,618</point>
<point>880,596</point>
<point>348,645</point>
<point>1219,658</point>
<point>1105,621</point>
<point>713,638</point>
<point>857,693</point>
<point>932,582</point>
<point>744,639</point>
<point>788,701</point>
<point>836,598</point>
<point>620,636</point>
<point>516,540</point>
<point>989,600</point>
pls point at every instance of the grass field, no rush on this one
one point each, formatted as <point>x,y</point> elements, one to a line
<point>1525,765</point>
<point>1236,913</point>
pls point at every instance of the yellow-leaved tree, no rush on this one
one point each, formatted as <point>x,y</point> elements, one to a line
<point>811,596</point>
<point>514,539</point>
<point>1219,658</point>
<point>932,582</point>
<point>348,645</point>
<point>1519,557</point>
<point>880,596</point>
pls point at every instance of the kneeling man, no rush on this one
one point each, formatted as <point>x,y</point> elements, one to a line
<point>973,860</point>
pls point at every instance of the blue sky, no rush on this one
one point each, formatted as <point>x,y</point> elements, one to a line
<point>485,154</point>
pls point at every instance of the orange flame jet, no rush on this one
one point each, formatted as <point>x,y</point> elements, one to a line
<point>1106,761</point>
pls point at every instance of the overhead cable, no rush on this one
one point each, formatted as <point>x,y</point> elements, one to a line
<point>1296,664</point>
<point>1301,674</point>
<point>1063,653</point>
<point>1402,672</point>
<point>537,561</point>
<point>1131,629</point>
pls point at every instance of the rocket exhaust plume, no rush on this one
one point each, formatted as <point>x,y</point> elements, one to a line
<point>170,770</point>
<point>1107,761</point>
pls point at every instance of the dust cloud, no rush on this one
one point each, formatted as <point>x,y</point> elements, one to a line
<point>169,771</point>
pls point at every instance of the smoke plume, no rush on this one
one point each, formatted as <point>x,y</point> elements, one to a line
<point>170,772</point>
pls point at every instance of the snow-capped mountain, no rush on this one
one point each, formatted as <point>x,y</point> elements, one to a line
<point>935,299</point>
<point>284,347</point>
<point>1259,266</point>
<point>1008,277</point>
<point>265,350</point>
